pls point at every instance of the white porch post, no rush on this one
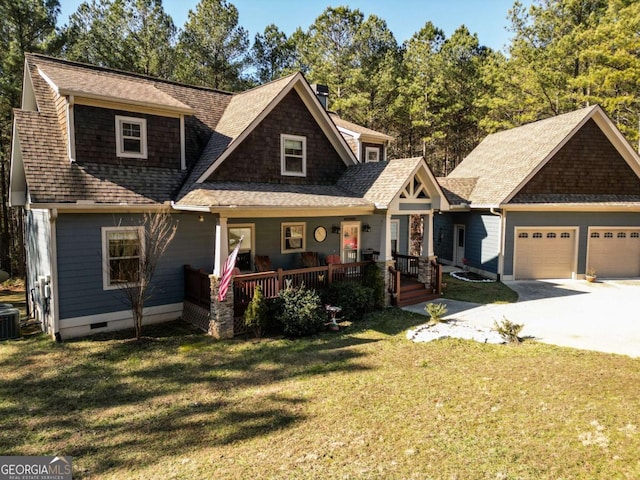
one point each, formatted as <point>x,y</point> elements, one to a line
<point>428,232</point>
<point>221,245</point>
<point>385,239</point>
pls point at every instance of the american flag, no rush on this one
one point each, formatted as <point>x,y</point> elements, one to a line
<point>227,271</point>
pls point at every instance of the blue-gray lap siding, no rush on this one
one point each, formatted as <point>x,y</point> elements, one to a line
<point>482,238</point>
<point>268,237</point>
<point>403,233</point>
<point>79,244</point>
<point>582,220</point>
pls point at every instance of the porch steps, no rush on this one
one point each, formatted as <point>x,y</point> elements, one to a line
<point>413,293</point>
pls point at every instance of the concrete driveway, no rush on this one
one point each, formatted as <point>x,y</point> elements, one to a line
<point>602,316</point>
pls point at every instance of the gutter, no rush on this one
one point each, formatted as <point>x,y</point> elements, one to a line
<point>503,222</point>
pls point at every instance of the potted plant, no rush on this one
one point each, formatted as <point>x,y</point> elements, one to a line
<point>591,275</point>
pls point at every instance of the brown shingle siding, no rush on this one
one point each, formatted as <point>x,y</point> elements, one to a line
<point>588,164</point>
<point>257,158</point>
<point>96,138</point>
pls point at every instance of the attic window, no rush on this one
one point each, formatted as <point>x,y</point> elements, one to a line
<point>131,137</point>
<point>293,155</point>
<point>371,154</point>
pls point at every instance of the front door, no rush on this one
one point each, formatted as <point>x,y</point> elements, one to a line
<point>458,246</point>
<point>350,245</point>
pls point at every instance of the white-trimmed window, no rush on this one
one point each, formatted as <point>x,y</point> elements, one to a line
<point>371,154</point>
<point>122,252</point>
<point>131,137</point>
<point>294,237</point>
<point>293,155</point>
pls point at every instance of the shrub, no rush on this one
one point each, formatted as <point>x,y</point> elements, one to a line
<point>256,315</point>
<point>355,299</point>
<point>373,279</point>
<point>436,311</point>
<point>300,312</point>
<point>508,330</point>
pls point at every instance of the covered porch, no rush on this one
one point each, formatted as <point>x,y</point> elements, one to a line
<point>415,280</point>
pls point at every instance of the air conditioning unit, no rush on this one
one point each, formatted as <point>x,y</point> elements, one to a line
<point>9,322</point>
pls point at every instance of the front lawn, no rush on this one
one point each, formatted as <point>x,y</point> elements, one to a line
<point>490,292</point>
<point>361,403</point>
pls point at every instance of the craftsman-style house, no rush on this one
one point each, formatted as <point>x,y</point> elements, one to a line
<point>94,149</point>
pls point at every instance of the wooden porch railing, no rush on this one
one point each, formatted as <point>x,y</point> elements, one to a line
<point>436,277</point>
<point>395,280</point>
<point>316,278</point>
<point>406,264</point>
<point>197,287</point>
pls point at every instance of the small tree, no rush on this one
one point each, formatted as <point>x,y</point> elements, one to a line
<point>255,316</point>
<point>135,277</point>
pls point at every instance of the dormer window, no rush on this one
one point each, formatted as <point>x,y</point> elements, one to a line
<point>371,154</point>
<point>293,155</point>
<point>131,137</point>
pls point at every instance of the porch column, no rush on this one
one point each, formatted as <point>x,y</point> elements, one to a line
<point>385,239</point>
<point>385,260</point>
<point>427,243</point>
<point>221,246</point>
<point>221,321</point>
<point>424,261</point>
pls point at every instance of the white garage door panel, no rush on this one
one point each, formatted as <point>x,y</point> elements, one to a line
<point>614,252</point>
<point>544,253</point>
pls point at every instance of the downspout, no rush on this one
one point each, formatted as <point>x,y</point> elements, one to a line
<point>54,274</point>
<point>493,211</point>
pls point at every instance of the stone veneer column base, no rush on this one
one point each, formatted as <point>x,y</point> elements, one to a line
<point>221,322</point>
<point>424,269</point>
<point>384,271</point>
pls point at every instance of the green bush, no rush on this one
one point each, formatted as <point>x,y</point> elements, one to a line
<point>373,279</point>
<point>436,311</point>
<point>300,312</point>
<point>256,315</point>
<point>355,299</point>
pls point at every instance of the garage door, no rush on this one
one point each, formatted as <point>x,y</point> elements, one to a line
<point>614,252</point>
<point>544,253</point>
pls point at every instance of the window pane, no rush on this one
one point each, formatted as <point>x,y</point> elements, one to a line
<point>293,147</point>
<point>131,145</point>
<point>124,270</point>
<point>293,164</point>
<point>131,130</point>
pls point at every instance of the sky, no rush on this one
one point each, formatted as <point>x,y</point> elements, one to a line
<point>487,18</point>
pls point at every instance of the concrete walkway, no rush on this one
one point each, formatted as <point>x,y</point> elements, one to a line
<point>602,316</point>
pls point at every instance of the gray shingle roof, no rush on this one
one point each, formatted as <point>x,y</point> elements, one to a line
<point>457,190</point>
<point>379,182</point>
<point>503,160</point>
<point>93,84</point>
<point>358,128</point>
<point>270,195</point>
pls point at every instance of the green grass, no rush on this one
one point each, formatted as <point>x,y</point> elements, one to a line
<point>493,292</point>
<point>361,403</point>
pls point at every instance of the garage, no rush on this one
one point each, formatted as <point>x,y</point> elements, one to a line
<point>614,252</point>
<point>544,253</point>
